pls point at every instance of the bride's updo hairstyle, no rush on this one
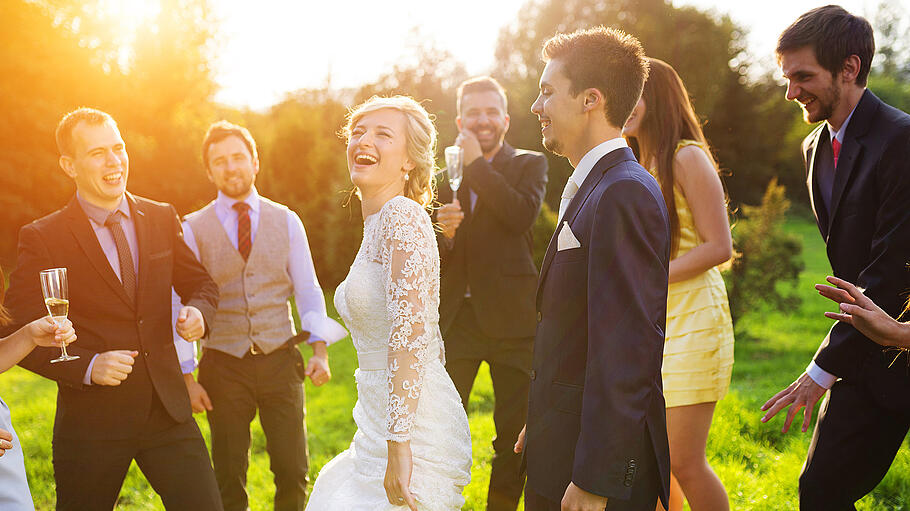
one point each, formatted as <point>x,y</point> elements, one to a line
<point>421,142</point>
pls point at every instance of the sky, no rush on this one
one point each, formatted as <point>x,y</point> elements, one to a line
<point>271,47</point>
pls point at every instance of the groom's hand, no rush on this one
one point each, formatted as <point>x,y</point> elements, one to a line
<point>577,499</point>
<point>520,443</point>
<point>803,393</point>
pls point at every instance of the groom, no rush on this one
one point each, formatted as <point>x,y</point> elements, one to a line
<point>596,429</point>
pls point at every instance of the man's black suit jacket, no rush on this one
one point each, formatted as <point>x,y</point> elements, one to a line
<point>106,319</point>
<point>867,233</point>
<point>492,251</point>
<point>596,391</point>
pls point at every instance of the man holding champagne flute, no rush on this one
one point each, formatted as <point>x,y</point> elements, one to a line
<point>123,398</point>
<point>488,278</point>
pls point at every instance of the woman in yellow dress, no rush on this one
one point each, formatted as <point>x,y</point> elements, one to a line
<point>698,352</point>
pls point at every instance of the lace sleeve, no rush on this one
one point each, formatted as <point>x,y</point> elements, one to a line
<point>407,254</point>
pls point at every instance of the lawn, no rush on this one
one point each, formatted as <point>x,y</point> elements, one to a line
<point>758,464</point>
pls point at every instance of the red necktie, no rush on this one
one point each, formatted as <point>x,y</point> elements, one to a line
<point>244,244</point>
<point>835,145</point>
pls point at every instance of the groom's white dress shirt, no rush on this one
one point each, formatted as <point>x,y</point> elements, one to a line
<point>584,167</point>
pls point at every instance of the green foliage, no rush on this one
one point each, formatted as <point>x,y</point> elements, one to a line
<point>768,257</point>
<point>544,227</point>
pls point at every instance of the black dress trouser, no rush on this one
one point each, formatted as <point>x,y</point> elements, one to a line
<point>89,472</point>
<point>238,387</point>
<point>854,443</point>
<point>510,363</point>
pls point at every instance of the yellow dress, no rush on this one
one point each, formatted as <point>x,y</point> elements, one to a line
<point>698,351</point>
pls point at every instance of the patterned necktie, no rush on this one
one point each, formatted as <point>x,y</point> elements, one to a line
<point>835,146</point>
<point>244,244</point>
<point>567,194</point>
<point>124,255</point>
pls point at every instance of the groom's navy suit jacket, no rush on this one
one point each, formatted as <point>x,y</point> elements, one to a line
<point>596,414</point>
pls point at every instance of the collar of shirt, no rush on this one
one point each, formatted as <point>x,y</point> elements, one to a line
<point>839,135</point>
<point>226,204</point>
<point>98,214</point>
<point>591,158</point>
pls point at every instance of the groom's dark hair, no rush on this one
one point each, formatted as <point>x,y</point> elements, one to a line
<point>833,34</point>
<point>605,59</point>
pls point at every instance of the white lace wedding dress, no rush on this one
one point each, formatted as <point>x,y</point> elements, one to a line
<point>390,303</point>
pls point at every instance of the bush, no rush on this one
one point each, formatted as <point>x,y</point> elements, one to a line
<point>544,227</point>
<point>767,256</point>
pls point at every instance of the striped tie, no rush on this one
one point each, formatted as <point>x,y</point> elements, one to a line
<point>244,244</point>
<point>124,255</point>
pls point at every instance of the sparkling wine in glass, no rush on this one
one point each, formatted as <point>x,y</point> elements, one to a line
<point>56,299</point>
<point>454,166</point>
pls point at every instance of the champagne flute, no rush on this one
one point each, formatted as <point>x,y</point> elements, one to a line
<point>454,166</point>
<point>56,299</point>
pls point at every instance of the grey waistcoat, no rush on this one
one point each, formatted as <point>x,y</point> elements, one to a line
<point>254,306</point>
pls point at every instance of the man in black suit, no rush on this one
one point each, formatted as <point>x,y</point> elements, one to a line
<point>858,165</point>
<point>124,398</point>
<point>488,275</point>
<point>596,435</point>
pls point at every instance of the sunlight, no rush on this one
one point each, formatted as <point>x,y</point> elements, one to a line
<point>125,18</point>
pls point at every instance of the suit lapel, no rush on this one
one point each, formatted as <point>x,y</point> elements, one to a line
<point>141,223</point>
<point>606,162</point>
<point>852,148</point>
<point>82,230</point>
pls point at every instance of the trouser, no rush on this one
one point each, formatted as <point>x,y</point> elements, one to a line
<point>89,472</point>
<point>510,363</point>
<point>854,443</point>
<point>238,387</point>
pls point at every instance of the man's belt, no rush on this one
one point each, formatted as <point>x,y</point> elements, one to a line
<point>289,344</point>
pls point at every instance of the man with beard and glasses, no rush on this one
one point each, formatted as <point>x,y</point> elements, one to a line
<point>256,251</point>
<point>488,275</point>
<point>858,165</point>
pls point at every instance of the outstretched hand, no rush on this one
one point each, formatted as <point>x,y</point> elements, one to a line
<point>803,393</point>
<point>863,314</point>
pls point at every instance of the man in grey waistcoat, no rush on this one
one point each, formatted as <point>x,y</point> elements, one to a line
<point>256,251</point>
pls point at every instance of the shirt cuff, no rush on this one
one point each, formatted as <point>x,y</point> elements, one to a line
<point>820,376</point>
<point>87,379</point>
<point>314,339</point>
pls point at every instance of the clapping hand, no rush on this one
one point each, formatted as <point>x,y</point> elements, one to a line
<point>48,332</point>
<point>190,323</point>
<point>864,315</point>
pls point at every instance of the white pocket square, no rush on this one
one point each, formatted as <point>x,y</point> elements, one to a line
<point>566,238</point>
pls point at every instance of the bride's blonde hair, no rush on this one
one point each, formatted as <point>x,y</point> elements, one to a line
<point>421,142</point>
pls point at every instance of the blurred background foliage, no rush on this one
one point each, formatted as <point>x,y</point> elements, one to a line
<point>60,54</point>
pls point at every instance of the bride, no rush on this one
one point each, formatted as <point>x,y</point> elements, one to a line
<point>412,446</point>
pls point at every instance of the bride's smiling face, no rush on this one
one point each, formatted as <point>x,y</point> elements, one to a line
<point>378,150</point>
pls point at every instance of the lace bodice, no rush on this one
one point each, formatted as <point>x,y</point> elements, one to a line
<point>390,303</point>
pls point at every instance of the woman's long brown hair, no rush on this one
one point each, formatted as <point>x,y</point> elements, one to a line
<point>5,318</point>
<point>669,118</point>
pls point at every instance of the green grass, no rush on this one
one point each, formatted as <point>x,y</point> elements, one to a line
<point>758,464</point>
